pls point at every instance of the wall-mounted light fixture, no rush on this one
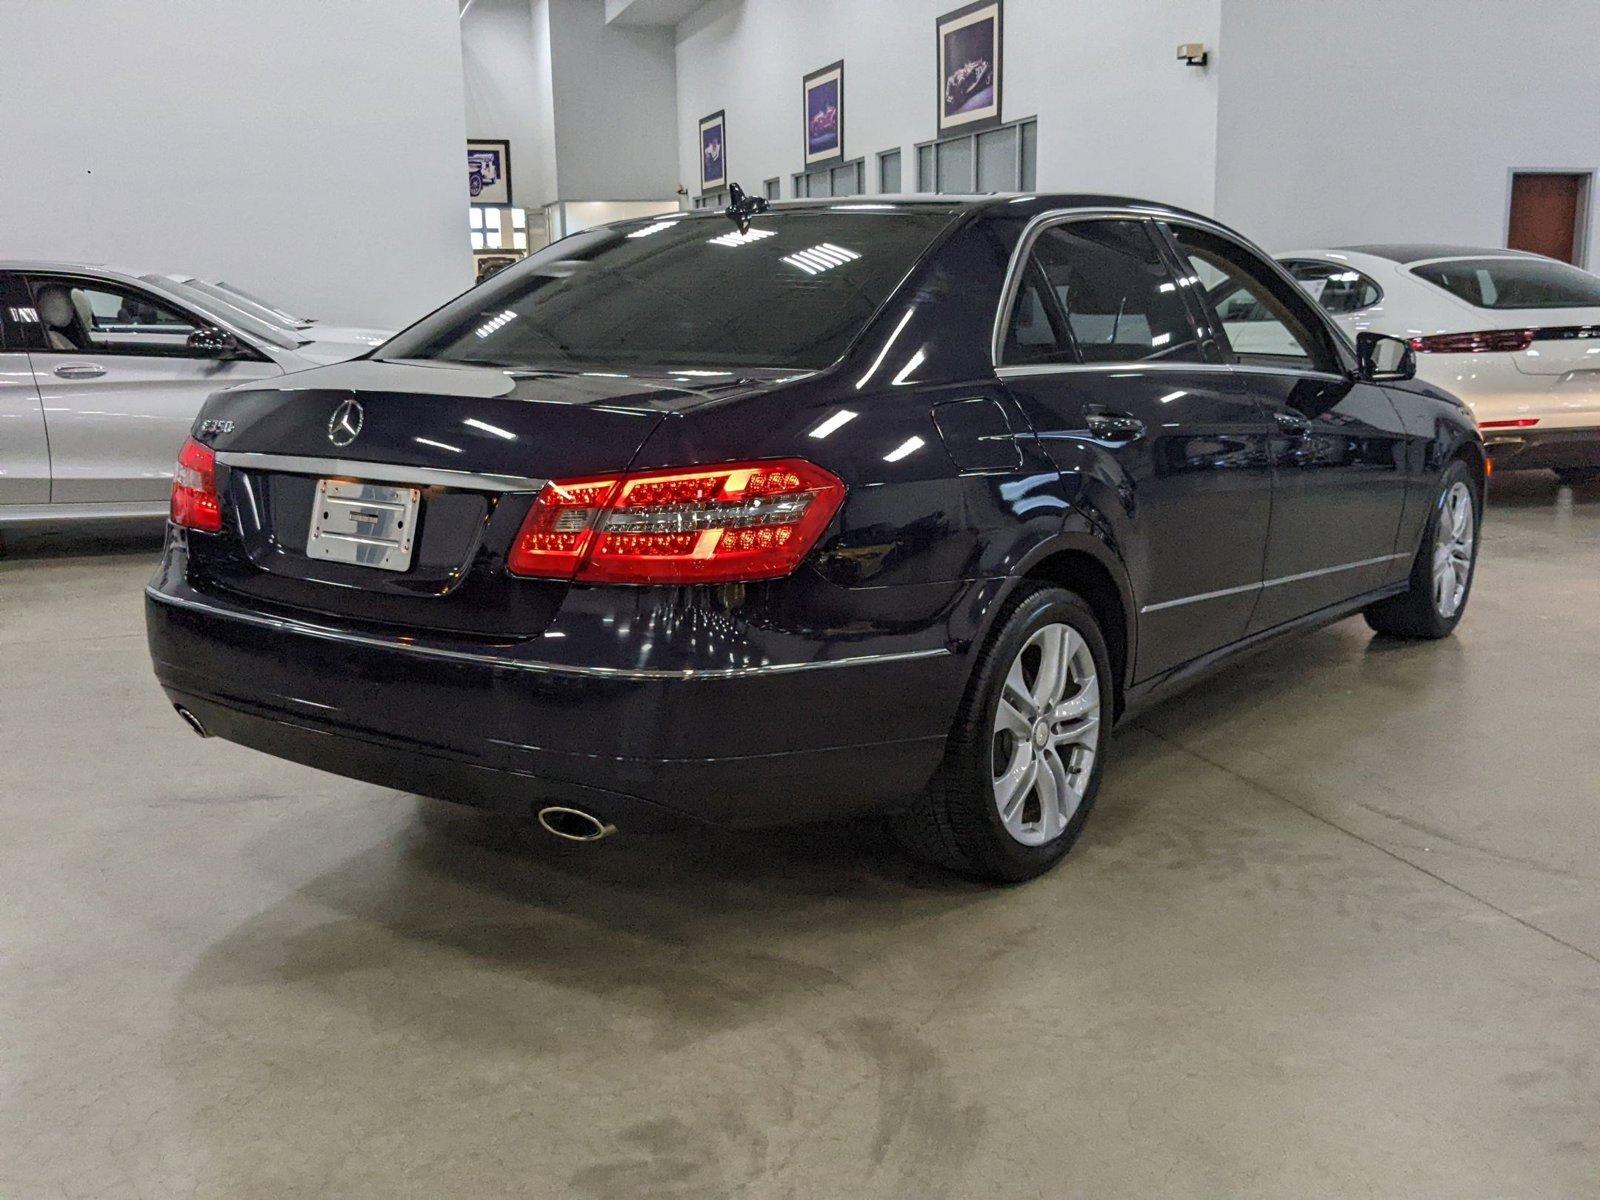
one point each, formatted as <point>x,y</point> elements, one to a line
<point>1194,54</point>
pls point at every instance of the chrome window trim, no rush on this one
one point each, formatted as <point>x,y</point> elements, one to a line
<point>1023,370</point>
<point>345,637</point>
<point>1061,216</point>
<point>342,468</point>
<point>1266,583</point>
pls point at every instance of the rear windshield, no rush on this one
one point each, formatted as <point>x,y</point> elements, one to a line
<point>792,292</point>
<point>1514,282</point>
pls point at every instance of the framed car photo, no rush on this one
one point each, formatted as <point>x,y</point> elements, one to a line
<point>823,93</point>
<point>489,172</point>
<point>713,153</point>
<point>969,67</point>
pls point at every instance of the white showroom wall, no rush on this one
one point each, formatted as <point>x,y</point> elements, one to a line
<point>1117,112</point>
<point>615,97</point>
<point>589,108</point>
<point>310,150</point>
<point>1398,120</point>
<point>505,62</point>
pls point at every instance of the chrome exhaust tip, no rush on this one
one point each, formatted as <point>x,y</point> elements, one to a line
<point>573,824</point>
<point>191,720</point>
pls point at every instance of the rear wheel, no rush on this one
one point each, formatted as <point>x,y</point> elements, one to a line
<point>1024,759</point>
<point>1577,475</point>
<point>1441,576</point>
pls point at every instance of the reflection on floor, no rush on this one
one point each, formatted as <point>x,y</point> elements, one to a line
<point>1334,930</point>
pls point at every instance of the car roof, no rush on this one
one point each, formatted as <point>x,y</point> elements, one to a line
<point>46,266</point>
<point>1414,252</point>
<point>1026,203</point>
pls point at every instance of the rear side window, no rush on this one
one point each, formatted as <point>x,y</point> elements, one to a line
<point>1098,292</point>
<point>1337,288</point>
<point>1513,282</point>
<point>792,291</point>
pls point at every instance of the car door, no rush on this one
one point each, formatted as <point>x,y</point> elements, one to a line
<point>24,449</point>
<point>1100,352</point>
<point>120,385</point>
<point>1337,444</point>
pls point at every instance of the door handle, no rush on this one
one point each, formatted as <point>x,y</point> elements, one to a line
<point>1292,423</point>
<point>1114,426</point>
<point>80,370</point>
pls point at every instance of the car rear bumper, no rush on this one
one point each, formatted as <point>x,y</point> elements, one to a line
<point>1533,449</point>
<point>769,745</point>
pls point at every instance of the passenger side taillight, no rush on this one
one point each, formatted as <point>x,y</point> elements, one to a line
<point>744,521</point>
<point>195,503</point>
<point>1489,341</point>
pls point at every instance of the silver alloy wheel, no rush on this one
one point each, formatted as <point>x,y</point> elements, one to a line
<point>1452,549</point>
<point>1046,734</point>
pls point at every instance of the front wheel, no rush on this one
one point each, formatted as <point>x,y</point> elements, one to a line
<point>1025,754</point>
<point>1441,576</point>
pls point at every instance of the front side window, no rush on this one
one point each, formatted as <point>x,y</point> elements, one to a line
<point>1098,292</point>
<point>792,291</point>
<point>1513,282</point>
<point>1339,289</point>
<point>1259,320</point>
<point>104,318</point>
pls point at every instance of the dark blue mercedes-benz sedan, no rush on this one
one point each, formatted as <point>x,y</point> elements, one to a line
<point>780,515</point>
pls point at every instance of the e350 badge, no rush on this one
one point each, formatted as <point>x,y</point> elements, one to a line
<point>213,425</point>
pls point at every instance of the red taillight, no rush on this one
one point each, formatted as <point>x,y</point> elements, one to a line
<point>195,504</point>
<point>744,521</point>
<point>1519,423</point>
<point>1489,341</point>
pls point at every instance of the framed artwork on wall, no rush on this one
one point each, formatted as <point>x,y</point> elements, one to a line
<point>823,93</point>
<point>489,171</point>
<point>713,153</point>
<point>969,67</point>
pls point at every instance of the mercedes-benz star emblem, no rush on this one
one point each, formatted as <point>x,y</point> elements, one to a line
<point>345,424</point>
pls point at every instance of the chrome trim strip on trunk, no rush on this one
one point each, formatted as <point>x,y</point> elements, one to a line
<point>1266,583</point>
<point>344,468</point>
<point>306,629</point>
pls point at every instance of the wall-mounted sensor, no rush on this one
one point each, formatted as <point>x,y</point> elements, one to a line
<point>1194,54</point>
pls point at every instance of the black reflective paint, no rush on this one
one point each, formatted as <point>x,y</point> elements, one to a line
<point>825,693</point>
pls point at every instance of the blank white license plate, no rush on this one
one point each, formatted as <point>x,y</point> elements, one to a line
<point>370,524</point>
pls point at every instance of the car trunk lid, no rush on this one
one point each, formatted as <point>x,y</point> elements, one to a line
<point>1565,340</point>
<point>466,448</point>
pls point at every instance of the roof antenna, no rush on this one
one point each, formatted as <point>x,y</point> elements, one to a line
<point>741,207</point>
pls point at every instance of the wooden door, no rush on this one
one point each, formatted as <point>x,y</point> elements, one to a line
<point>1545,209</point>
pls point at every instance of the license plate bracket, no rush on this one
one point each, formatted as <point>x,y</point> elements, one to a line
<point>368,524</point>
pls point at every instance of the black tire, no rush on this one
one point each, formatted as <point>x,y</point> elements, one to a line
<point>1577,476</point>
<point>1414,613</point>
<point>956,823</point>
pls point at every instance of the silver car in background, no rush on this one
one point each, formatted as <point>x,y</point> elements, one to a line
<point>102,373</point>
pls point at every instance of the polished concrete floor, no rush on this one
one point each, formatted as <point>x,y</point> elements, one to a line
<point>1334,931</point>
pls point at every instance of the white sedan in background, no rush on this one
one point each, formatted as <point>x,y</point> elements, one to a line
<point>102,373</point>
<point>1514,335</point>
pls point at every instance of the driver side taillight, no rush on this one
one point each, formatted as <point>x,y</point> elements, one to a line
<point>195,503</point>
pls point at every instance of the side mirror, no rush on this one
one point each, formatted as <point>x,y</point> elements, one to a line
<point>1385,359</point>
<point>213,342</point>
